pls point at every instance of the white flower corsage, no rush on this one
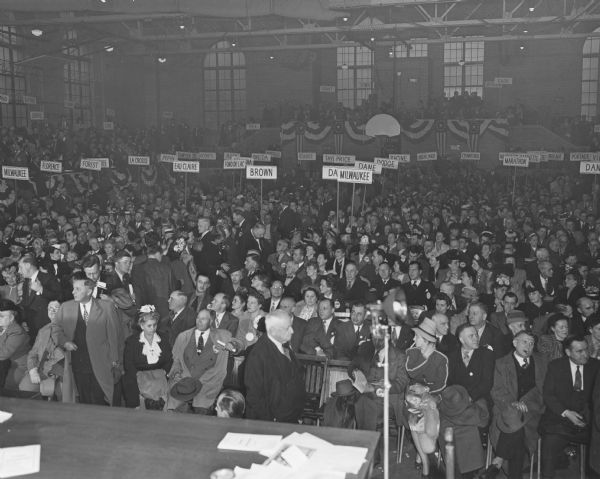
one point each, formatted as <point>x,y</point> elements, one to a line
<point>147,308</point>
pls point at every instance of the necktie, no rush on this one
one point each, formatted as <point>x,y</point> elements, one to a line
<point>466,358</point>
<point>525,363</point>
<point>273,306</point>
<point>578,386</point>
<point>286,351</point>
<point>85,315</point>
<point>126,279</point>
<point>414,283</point>
<point>200,345</point>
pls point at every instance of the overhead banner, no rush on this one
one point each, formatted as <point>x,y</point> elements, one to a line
<point>138,160</point>
<point>387,163</point>
<point>186,167</point>
<point>339,159</point>
<point>352,175</point>
<point>15,173</point>
<point>429,156</point>
<point>470,155</point>
<point>589,167</point>
<point>167,158</point>
<point>90,164</point>
<point>520,160</point>
<point>307,156</point>
<point>235,164</point>
<point>584,156</point>
<point>261,172</point>
<point>368,166</point>
<point>261,157</point>
<point>402,158</point>
<point>51,166</point>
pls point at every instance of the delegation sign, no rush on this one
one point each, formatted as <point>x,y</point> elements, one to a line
<point>15,173</point>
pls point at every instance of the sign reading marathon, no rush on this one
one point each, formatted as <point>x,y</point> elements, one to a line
<point>15,173</point>
<point>520,160</point>
<point>367,166</point>
<point>352,175</point>
<point>261,172</point>
<point>585,156</point>
<point>429,156</point>
<point>339,159</point>
<point>138,160</point>
<point>186,167</point>
<point>201,155</point>
<point>51,166</point>
<point>93,164</point>
<point>589,167</point>
<point>235,164</point>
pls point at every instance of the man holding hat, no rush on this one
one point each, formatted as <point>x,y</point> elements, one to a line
<point>518,405</point>
<point>199,365</point>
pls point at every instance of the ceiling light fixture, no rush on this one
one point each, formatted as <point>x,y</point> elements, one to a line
<point>182,27</point>
<point>372,39</point>
<point>37,32</point>
<point>109,48</point>
<point>525,31</point>
<point>522,47</point>
<point>271,57</point>
<point>162,59</point>
<point>345,19</point>
<point>532,9</point>
<point>233,43</point>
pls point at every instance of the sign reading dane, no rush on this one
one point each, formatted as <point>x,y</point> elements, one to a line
<point>261,172</point>
<point>589,167</point>
<point>15,173</point>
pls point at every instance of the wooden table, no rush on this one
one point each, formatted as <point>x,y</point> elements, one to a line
<point>83,441</point>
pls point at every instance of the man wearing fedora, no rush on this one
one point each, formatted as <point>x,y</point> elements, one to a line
<point>274,379</point>
<point>518,405</point>
<point>199,365</point>
<point>568,397</point>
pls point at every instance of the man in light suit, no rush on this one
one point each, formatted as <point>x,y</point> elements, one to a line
<point>91,330</point>
<point>568,397</point>
<point>199,353</point>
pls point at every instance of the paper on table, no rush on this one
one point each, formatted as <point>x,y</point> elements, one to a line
<point>248,442</point>
<point>339,458</point>
<point>18,461</point>
<point>303,440</point>
<point>5,416</point>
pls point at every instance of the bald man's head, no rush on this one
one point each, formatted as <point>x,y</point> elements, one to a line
<point>279,325</point>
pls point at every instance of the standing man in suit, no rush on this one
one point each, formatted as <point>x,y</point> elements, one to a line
<point>223,318</point>
<point>91,330</point>
<point>489,336</point>
<point>518,405</point>
<point>180,318</point>
<point>567,391</point>
<point>200,361</point>
<point>274,379</point>
<point>418,291</point>
<point>120,277</point>
<point>207,258</point>
<point>471,366</point>
<point>91,268</point>
<point>39,289</point>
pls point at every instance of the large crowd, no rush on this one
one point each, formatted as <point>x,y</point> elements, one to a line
<point>211,306</point>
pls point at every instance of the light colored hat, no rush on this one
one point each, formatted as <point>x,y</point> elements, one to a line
<point>426,330</point>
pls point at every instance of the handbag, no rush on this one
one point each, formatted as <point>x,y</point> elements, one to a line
<point>152,384</point>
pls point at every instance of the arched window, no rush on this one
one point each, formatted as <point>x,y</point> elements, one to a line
<point>224,85</point>
<point>12,79</point>
<point>589,77</point>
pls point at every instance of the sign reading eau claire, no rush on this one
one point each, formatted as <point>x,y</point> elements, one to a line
<point>186,167</point>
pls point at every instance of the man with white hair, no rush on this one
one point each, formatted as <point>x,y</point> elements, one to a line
<point>273,377</point>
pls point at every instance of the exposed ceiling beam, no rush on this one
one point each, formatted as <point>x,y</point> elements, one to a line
<point>384,27</point>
